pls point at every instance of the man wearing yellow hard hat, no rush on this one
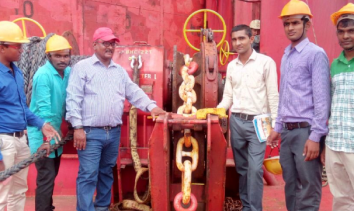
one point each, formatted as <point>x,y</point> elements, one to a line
<point>48,101</point>
<point>304,104</point>
<point>14,117</point>
<point>340,140</point>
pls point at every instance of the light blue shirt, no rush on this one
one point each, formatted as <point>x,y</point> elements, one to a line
<point>96,94</point>
<point>47,102</point>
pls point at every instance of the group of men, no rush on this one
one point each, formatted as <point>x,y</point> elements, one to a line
<point>91,98</point>
<point>310,93</point>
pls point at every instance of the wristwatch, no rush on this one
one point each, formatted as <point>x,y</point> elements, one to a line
<point>78,127</point>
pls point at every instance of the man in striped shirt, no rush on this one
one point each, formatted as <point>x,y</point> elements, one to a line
<point>96,93</point>
<point>340,140</point>
<point>304,103</point>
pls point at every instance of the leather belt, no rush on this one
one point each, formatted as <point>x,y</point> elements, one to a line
<point>244,116</point>
<point>15,134</point>
<point>295,125</point>
<point>107,127</point>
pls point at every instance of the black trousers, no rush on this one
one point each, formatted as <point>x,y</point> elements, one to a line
<point>47,170</point>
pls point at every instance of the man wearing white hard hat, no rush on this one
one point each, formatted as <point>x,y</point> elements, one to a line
<point>255,26</point>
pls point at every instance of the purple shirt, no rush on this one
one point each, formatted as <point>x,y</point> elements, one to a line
<point>304,88</point>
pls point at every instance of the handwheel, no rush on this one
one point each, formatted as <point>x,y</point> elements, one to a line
<point>205,11</point>
<point>224,52</point>
<point>24,26</point>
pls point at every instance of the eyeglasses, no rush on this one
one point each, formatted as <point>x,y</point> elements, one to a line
<point>14,46</point>
<point>107,44</point>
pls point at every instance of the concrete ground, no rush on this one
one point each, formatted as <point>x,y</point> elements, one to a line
<point>273,200</point>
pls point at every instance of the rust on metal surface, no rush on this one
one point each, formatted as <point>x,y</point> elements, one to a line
<point>211,73</point>
<point>159,165</point>
<point>216,166</point>
<point>187,137</point>
<point>193,154</point>
<point>186,182</point>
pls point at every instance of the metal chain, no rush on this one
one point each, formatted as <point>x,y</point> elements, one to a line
<point>186,92</point>
<point>187,167</point>
<point>232,205</point>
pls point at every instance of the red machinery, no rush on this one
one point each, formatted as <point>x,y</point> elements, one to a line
<point>160,23</point>
<point>162,151</point>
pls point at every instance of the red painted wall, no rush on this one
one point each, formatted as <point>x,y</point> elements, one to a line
<point>322,32</point>
<point>160,22</point>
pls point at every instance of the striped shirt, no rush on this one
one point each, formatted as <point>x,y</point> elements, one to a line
<point>304,94</point>
<point>96,94</point>
<point>341,122</point>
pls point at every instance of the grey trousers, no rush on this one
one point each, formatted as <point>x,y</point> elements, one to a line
<point>303,183</point>
<point>248,155</point>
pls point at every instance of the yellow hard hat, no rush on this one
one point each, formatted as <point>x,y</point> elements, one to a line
<point>295,7</point>
<point>347,9</point>
<point>273,165</point>
<point>255,24</point>
<point>11,32</point>
<point>57,43</point>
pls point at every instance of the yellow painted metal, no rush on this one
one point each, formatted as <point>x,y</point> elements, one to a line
<point>224,52</point>
<point>205,11</point>
<point>202,113</point>
<point>24,26</point>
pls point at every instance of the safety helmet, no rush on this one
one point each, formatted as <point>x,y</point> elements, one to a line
<point>295,7</point>
<point>11,32</point>
<point>347,9</point>
<point>272,165</point>
<point>57,43</point>
<point>255,24</point>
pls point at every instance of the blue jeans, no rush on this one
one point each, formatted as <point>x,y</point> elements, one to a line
<point>95,170</point>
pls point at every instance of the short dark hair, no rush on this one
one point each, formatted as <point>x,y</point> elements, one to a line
<point>345,23</point>
<point>241,27</point>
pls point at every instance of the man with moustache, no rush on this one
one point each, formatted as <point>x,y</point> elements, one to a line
<point>48,102</point>
<point>340,140</point>
<point>14,117</point>
<point>303,111</point>
<point>96,93</point>
<point>251,88</point>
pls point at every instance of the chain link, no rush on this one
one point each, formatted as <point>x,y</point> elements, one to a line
<point>186,92</point>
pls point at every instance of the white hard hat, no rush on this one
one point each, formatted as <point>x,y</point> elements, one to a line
<point>255,24</point>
